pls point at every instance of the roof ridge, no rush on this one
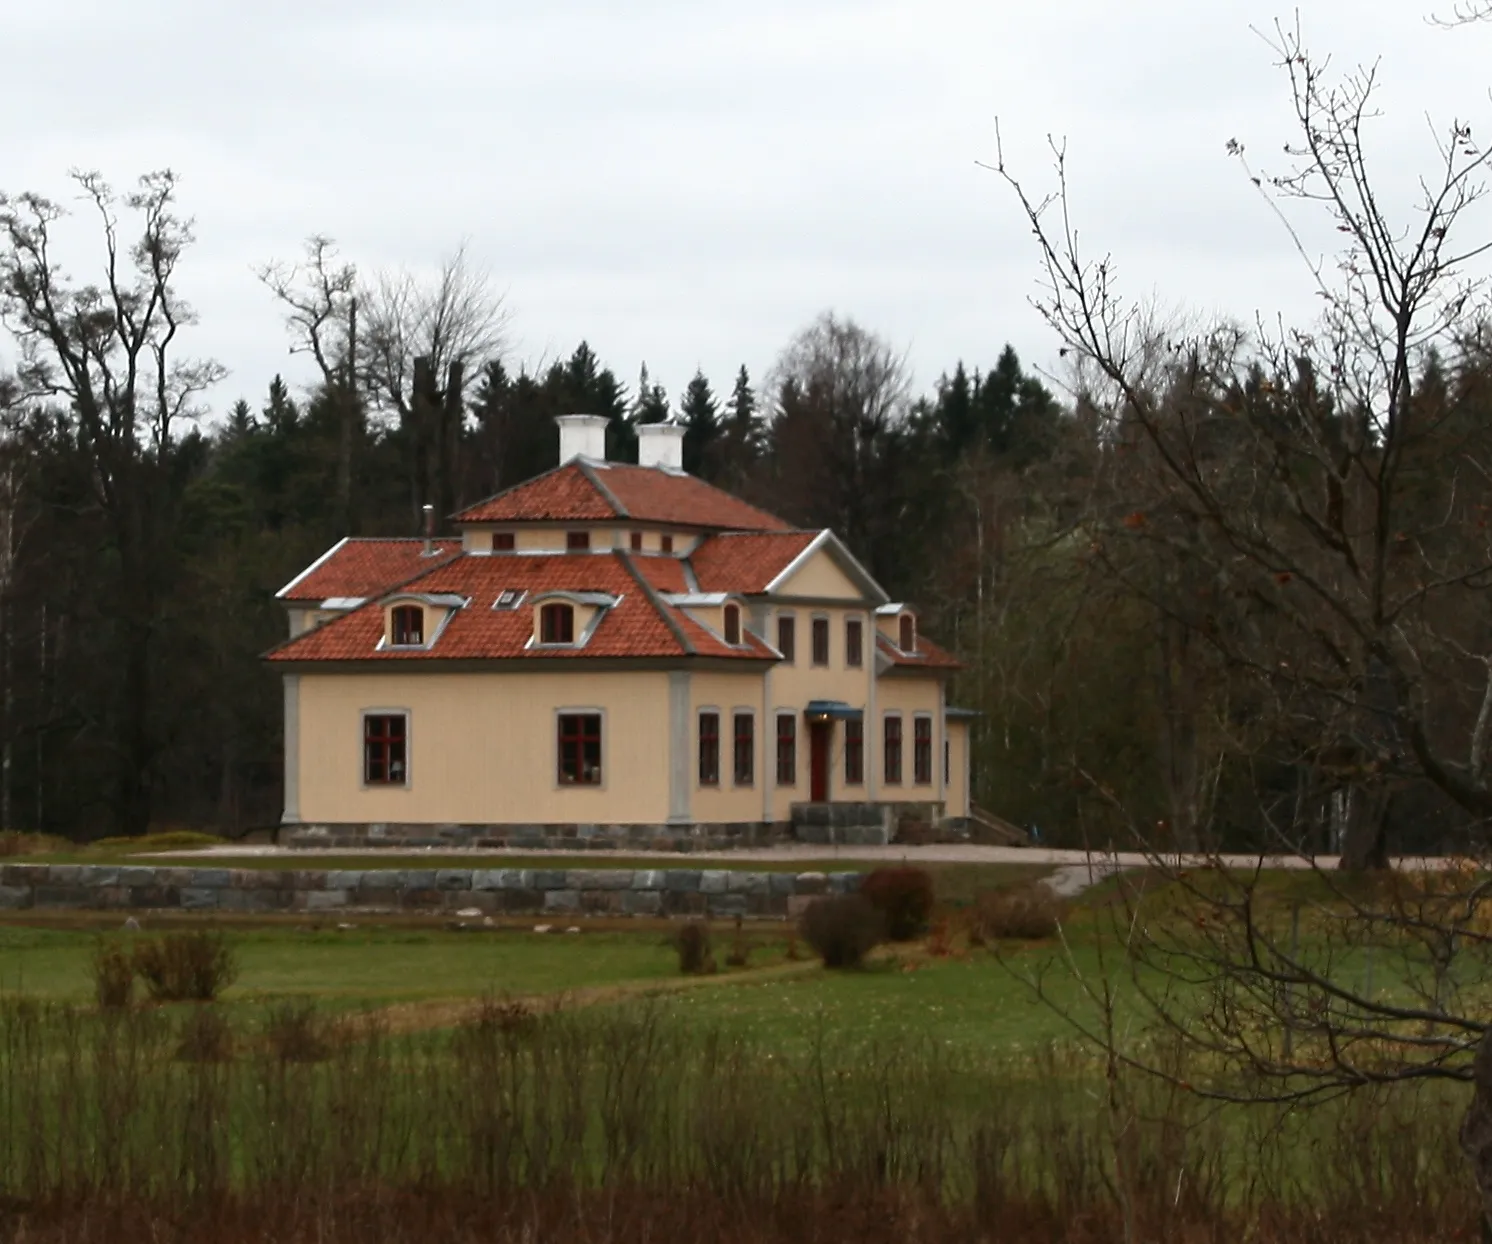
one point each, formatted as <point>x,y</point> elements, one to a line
<point>589,472</point>
<point>653,599</point>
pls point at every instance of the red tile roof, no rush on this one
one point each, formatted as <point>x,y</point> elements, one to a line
<point>364,568</point>
<point>588,491</point>
<point>639,625</point>
<point>664,574</point>
<point>746,562</point>
<point>928,655</point>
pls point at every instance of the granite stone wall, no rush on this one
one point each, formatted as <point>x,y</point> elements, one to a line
<point>556,892</point>
<point>559,837</point>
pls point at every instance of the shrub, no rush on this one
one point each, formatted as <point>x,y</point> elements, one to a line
<point>113,976</point>
<point>15,842</point>
<point>739,951</point>
<point>693,944</point>
<point>205,1037</point>
<point>1027,912</point>
<point>186,967</point>
<point>296,1033</point>
<point>842,930</point>
<point>904,897</point>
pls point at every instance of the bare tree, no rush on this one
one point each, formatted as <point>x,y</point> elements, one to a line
<point>107,352</point>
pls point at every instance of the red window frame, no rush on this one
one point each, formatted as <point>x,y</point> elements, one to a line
<point>922,759</point>
<point>557,623</point>
<point>709,748</point>
<point>787,749</point>
<point>908,634</point>
<point>407,626</point>
<point>579,749</point>
<point>743,751</point>
<point>732,624</point>
<point>636,542</point>
<point>665,544</point>
<point>854,643</point>
<point>892,750</point>
<point>787,637</point>
<point>503,542</point>
<point>577,541</point>
<point>820,634</point>
<point>854,752</point>
<point>385,749</point>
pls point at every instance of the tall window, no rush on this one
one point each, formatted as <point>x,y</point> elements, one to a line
<point>854,752</point>
<point>947,762</point>
<point>503,542</point>
<point>576,540</point>
<point>893,750</point>
<point>732,624</point>
<point>407,626</point>
<point>665,544</point>
<point>787,636</point>
<point>787,749</point>
<point>745,749</point>
<point>854,639</point>
<point>922,751</point>
<point>821,641</point>
<point>580,749</point>
<point>385,749</point>
<point>908,633</point>
<point>709,749</point>
<point>637,542</point>
<point>557,624</point>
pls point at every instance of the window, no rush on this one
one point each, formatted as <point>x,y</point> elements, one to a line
<point>509,598</point>
<point>745,749</point>
<point>385,749</point>
<point>821,641</point>
<point>580,749</point>
<point>557,624</point>
<point>637,542</point>
<point>922,751</point>
<point>786,636</point>
<point>665,543</point>
<point>908,633</point>
<point>709,749</point>
<point>854,752</point>
<point>732,624</point>
<point>947,763</point>
<point>577,540</point>
<point>407,626</point>
<point>854,631</point>
<point>787,749</point>
<point>893,751</point>
<point>502,542</point>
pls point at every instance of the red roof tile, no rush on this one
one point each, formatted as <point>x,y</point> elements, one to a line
<point>928,655</point>
<point>363,568</point>
<point>746,562</point>
<point>664,574</point>
<point>589,491</point>
<point>639,625</point>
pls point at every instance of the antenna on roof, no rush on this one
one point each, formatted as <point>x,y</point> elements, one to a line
<point>429,529</point>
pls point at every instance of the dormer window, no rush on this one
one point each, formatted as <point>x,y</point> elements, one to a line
<point>908,633</point>
<point>407,627</point>
<point>637,542</point>
<point>732,624</point>
<point>557,623</point>
<point>665,544</point>
<point>577,541</point>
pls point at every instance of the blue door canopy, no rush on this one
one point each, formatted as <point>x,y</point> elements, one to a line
<point>831,710</point>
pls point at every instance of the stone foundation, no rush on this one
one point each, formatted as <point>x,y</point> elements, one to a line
<point>682,838</point>
<point>844,824</point>
<point>556,892</point>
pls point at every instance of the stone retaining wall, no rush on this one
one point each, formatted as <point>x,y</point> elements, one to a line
<point>558,892</point>
<point>683,838</point>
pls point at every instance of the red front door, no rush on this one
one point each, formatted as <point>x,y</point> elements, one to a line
<point>818,760</point>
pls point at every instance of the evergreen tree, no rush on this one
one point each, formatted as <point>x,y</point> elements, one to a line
<point>701,418</point>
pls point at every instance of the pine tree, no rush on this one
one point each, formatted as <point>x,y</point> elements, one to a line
<point>744,433</point>
<point>701,418</point>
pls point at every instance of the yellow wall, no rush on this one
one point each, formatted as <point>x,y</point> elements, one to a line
<point>483,748</point>
<point>729,802</point>
<point>528,538</point>
<point>820,576</point>
<point>910,697</point>
<point>958,768</point>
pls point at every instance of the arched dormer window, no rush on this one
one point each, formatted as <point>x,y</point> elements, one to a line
<point>407,626</point>
<point>557,623</point>
<point>733,624</point>
<point>908,633</point>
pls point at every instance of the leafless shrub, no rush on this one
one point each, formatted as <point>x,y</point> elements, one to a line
<point>113,975</point>
<point>843,929</point>
<point>186,967</point>
<point>1026,912</point>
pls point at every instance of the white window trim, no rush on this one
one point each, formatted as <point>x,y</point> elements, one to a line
<point>362,748</point>
<point>721,717</point>
<point>795,715</point>
<point>745,710</point>
<point>554,756</point>
<point>828,620</point>
<point>777,636</point>
<point>848,619</point>
<point>901,782</point>
<point>932,737</point>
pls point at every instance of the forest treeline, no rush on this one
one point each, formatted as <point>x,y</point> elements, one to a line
<point>143,533</point>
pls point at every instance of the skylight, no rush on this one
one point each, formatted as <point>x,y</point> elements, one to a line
<point>509,598</point>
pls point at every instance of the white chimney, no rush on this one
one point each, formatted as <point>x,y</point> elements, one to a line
<point>582,436</point>
<point>660,445</point>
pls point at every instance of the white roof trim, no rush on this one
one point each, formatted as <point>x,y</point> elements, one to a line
<point>892,609</point>
<point>313,566</point>
<point>343,602</point>
<point>827,539</point>
<point>602,600</point>
<point>699,600</point>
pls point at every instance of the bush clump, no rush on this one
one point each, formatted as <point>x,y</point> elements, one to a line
<point>695,952</point>
<point>904,897</point>
<point>1025,912</point>
<point>843,929</point>
<point>205,1037</point>
<point>113,976</point>
<point>186,967</point>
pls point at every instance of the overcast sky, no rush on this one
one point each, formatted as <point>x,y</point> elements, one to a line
<point>687,182</point>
